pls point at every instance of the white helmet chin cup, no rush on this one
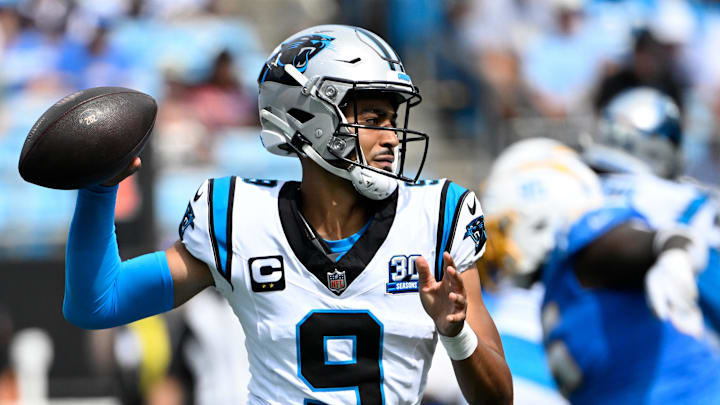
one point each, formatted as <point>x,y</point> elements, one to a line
<point>368,183</point>
<point>372,185</point>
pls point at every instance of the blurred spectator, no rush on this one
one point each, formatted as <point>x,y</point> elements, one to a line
<point>459,93</point>
<point>9,25</point>
<point>193,115</point>
<point>510,25</point>
<point>180,138</point>
<point>220,101</point>
<point>95,63</point>
<point>496,33</point>
<point>651,64</point>
<point>561,67</point>
<point>31,53</point>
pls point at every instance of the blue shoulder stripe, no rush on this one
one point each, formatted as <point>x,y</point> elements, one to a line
<point>693,208</point>
<point>451,197</point>
<point>220,209</point>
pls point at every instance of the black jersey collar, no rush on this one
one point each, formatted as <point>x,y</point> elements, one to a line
<point>313,257</point>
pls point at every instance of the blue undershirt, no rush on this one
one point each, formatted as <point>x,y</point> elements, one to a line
<point>344,245</point>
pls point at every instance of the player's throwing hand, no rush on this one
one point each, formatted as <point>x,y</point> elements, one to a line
<point>133,167</point>
<point>445,300</point>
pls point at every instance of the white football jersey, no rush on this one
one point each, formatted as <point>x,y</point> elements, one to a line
<point>665,203</point>
<point>319,331</point>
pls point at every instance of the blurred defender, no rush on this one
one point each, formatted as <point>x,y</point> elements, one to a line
<point>513,291</point>
<point>331,277</point>
<point>603,339</point>
<point>638,155</point>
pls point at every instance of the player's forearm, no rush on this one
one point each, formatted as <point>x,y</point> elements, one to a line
<point>91,246</point>
<point>100,290</point>
<point>484,377</point>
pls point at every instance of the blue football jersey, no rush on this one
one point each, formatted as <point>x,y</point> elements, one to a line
<point>516,313</point>
<point>605,346</point>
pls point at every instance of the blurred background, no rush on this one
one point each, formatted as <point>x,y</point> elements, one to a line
<point>490,72</point>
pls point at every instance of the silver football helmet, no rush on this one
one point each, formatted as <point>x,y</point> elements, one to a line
<point>639,131</point>
<point>309,79</point>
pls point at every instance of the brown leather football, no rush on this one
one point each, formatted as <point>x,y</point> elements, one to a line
<point>88,137</point>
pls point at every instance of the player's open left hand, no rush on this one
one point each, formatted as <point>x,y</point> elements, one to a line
<point>444,301</point>
<point>129,171</point>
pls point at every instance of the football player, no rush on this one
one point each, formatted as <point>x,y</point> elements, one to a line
<point>512,289</point>
<point>603,340</point>
<point>638,155</point>
<point>342,282</point>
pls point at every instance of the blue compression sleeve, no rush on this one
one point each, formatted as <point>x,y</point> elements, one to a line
<point>100,290</point>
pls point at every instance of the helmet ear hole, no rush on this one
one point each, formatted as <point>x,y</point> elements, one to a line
<point>300,115</point>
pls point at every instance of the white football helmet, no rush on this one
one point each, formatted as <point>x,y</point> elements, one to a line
<point>531,150</point>
<point>639,132</point>
<point>535,188</point>
<point>304,86</point>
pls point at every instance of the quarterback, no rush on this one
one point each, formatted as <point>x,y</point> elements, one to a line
<point>343,282</point>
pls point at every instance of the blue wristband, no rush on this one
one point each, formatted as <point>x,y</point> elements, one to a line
<point>100,290</point>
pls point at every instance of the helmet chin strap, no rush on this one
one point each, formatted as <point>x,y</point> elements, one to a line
<point>368,183</point>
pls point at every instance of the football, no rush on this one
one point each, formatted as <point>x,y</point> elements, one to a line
<point>87,137</point>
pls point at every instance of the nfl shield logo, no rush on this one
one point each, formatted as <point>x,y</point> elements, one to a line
<point>336,281</point>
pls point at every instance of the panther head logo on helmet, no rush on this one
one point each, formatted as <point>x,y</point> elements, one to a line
<point>297,52</point>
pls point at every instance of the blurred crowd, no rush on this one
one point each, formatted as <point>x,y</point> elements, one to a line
<point>490,71</point>
<point>510,69</point>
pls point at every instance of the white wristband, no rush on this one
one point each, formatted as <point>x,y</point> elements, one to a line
<point>463,345</point>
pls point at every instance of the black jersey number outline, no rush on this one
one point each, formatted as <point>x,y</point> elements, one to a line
<point>364,373</point>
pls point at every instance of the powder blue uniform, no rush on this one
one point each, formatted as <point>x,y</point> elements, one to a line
<point>605,346</point>
<point>668,203</point>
